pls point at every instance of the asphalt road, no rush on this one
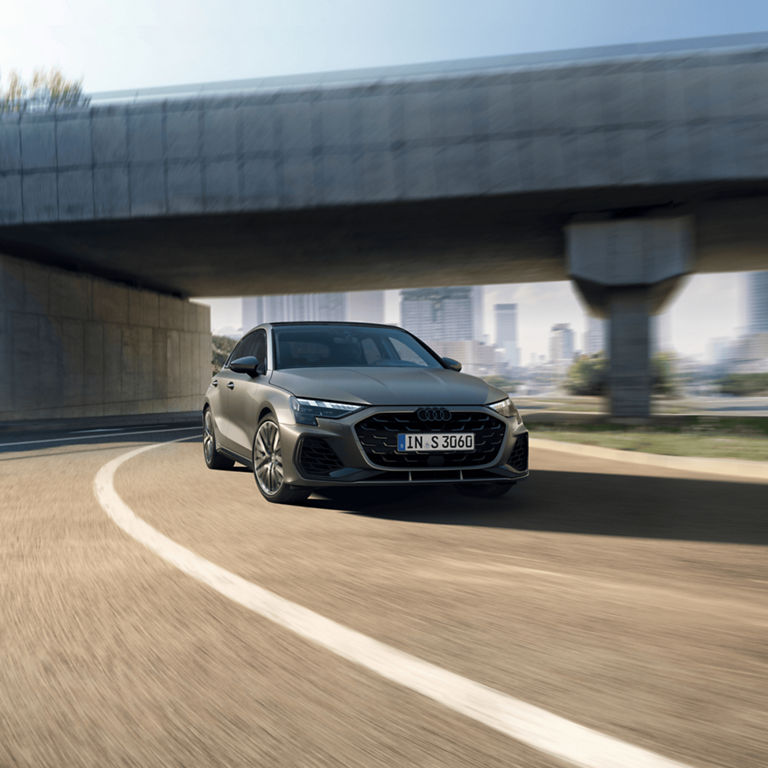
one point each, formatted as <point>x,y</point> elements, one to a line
<point>630,600</point>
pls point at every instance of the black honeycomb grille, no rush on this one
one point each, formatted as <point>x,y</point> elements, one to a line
<point>378,436</point>
<point>518,458</point>
<point>317,458</point>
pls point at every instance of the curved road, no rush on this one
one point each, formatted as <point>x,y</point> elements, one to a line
<point>629,600</point>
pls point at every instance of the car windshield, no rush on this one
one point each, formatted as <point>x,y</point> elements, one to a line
<point>333,346</point>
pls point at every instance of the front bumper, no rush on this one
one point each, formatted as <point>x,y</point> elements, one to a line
<point>332,454</point>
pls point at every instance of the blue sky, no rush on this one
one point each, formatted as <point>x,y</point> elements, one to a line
<point>119,44</point>
<point>115,44</point>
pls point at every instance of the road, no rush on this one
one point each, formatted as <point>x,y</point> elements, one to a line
<point>629,600</point>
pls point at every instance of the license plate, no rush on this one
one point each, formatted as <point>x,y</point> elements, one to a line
<point>436,441</point>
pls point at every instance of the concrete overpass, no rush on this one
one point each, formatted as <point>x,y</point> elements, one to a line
<point>623,168</point>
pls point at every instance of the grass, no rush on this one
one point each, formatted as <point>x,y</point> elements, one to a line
<point>742,440</point>
<point>587,403</point>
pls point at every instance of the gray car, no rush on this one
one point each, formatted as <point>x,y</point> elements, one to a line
<point>314,405</point>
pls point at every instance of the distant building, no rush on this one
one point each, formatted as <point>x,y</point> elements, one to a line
<point>720,350</point>
<point>475,357</point>
<point>757,302</point>
<point>293,307</point>
<point>442,314</point>
<point>594,338</point>
<point>505,316</point>
<point>365,306</point>
<point>562,344</point>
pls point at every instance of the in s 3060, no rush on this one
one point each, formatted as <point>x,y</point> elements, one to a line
<point>313,405</point>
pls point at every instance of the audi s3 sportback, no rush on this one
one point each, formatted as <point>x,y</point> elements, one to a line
<point>313,405</point>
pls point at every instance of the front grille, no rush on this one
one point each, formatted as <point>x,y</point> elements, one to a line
<point>378,436</point>
<point>317,458</point>
<point>518,459</point>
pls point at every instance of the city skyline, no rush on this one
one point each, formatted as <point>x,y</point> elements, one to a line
<point>690,322</point>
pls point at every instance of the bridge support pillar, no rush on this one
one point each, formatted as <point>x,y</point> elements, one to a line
<point>77,346</point>
<point>626,270</point>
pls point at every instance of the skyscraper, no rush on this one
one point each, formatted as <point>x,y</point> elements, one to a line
<point>293,306</point>
<point>561,344</point>
<point>365,306</point>
<point>441,314</point>
<point>757,302</point>
<point>506,331</point>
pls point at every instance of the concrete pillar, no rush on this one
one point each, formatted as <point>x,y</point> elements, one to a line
<point>626,270</point>
<point>77,346</point>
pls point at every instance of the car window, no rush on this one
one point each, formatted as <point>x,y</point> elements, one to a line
<point>252,345</point>
<point>371,351</point>
<point>405,353</point>
<point>329,346</point>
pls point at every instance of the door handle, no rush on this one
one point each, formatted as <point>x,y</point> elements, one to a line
<point>215,383</point>
<point>230,385</point>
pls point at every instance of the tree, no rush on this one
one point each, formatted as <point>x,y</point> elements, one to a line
<point>221,346</point>
<point>663,370</point>
<point>46,91</point>
<point>744,384</point>
<point>589,375</point>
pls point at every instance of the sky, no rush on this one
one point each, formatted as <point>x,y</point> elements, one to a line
<point>120,44</point>
<point>117,44</point>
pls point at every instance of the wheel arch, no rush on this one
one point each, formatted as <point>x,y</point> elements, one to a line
<point>267,410</point>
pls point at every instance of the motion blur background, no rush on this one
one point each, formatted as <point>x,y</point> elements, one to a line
<point>568,197</point>
<point>196,137</point>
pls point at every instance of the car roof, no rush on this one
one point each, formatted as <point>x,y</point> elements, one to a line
<point>299,323</point>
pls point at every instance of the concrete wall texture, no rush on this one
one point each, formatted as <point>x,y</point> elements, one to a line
<point>72,345</point>
<point>652,119</point>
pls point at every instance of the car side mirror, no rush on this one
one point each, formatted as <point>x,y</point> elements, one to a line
<point>250,365</point>
<point>449,362</point>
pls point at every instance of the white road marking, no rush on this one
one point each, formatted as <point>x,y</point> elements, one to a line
<point>529,724</point>
<point>92,437</point>
<point>100,429</point>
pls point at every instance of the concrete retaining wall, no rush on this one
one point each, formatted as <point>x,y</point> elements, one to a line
<point>73,346</point>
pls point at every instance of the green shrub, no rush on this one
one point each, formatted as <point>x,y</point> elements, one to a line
<point>744,384</point>
<point>589,375</point>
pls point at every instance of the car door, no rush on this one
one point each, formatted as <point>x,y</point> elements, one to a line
<point>239,392</point>
<point>227,382</point>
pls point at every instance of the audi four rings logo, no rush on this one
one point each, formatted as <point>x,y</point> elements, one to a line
<point>433,414</point>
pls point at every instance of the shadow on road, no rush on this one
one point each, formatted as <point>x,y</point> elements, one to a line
<point>566,502</point>
<point>575,502</point>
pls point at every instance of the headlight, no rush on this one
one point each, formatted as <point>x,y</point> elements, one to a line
<point>306,411</point>
<point>507,409</point>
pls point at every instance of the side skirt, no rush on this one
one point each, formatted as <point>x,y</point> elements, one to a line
<point>235,456</point>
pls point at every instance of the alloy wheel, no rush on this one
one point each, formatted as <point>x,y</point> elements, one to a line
<point>209,441</point>
<point>268,459</point>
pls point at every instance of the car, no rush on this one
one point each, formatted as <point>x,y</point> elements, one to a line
<point>320,405</point>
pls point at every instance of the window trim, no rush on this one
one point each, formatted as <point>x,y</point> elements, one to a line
<point>242,340</point>
<point>396,328</point>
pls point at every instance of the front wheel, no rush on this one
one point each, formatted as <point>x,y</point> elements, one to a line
<point>484,490</point>
<point>213,458</point>
<point>268,466</point>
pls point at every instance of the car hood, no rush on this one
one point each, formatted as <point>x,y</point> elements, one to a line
<point>387,386</point>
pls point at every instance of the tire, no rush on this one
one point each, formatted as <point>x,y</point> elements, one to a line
<point>213,459</point>
<point>484,490</point>
<point>267,462</point>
